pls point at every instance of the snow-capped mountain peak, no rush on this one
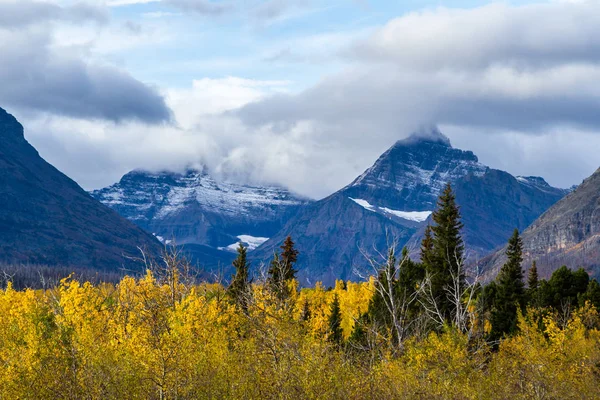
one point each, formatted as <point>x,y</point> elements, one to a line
<point>194,207</point>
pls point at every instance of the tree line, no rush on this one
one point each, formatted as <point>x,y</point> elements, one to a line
<point>414,329</point>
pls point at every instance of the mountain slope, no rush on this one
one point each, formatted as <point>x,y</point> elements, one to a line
<point>394,199</point>
<point>194,208</point>
<point>46,218</point>
<point>566,234</point>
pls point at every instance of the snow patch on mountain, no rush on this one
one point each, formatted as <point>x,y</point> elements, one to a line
<point>251,242</point>
<point>417,216</point>
<point>363,203</point>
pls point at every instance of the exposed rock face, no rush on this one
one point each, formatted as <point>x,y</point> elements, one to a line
<point>46,218</point>
<point>194,208</point>
<point>566,234</point>
<point>494,204</point>
<point>393,200</point>
<point>411,174</point>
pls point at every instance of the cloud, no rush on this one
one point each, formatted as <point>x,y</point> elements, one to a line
<point>515,84</point>
<point>40,75</point>
<point>495,66</point>
<point>21,13</point>
<point>273,9</point>
<point>98,153</point>
<point>204,7</point>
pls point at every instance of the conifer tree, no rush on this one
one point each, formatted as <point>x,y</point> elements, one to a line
<point>533,278</point>
<point>305,315</point>
<point>379,312</point>
<point>510,290</point>
<point>447,249</point>
<point>336,335</point>
<point>289,257</point>
<point>410,274</point>
<point>238,288</point>
<point>427,248</point>
<point>532,285</point>
<point>281,271</point>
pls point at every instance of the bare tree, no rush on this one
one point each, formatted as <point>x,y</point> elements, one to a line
<point>460,293</point>
<point>396,303</point>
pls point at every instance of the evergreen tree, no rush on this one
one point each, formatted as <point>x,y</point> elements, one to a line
<point>410,274</point>
<point>379,312</point>
<point>532,285</point>
<point>275,280</point>
<point>510,290</point>
<point>281,270</point>
<point>447,251</point>
<point>336,334</point>
<point>427,248</point>
<point>358,339</point>
<point>238,289</point>
<point>289,257</point>
<point>305,315</point>
<point>533,278</point>
<point>592,294</point>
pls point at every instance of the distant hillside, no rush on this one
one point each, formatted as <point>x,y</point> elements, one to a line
<point>46,218</point>
<point>566,234</point>
<point>394,200</point>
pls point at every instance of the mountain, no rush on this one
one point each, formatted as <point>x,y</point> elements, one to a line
<point>495,203</point>
<point>193,209</point>
<point>566,234</point>
<point>46,218</point>
<point>392,202</point>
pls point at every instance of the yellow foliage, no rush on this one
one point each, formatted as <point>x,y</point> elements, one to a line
<point>149,339</point>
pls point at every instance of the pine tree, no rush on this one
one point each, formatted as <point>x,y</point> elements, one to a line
<point>275,279</point>
<point>358,339</point>
<point>447,250</point>
<point>238,288</point>
<point>379,312</point>
<point>289,257</point>
<point>281,271</point>
<point>336,334</point>
<point>533,278</point>
<point>305,315</point>
<point>427,248</point>
<point>510,293</point>
<point>410,275</point>
<point>532,286</point>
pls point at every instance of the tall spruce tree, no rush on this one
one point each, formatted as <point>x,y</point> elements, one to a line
<point>379,312</point>
<point>510,290</point>
<point>289,257</point>
<point>410,274</point>
<point>533,283</point>
<point>427,248</point>
<point>336,334</point>
<point>238,288</point>
<point>533,277</point>
<point>281,271</point>
<point>447,251</point>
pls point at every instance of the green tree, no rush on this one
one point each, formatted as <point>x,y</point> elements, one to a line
<point>510,290</point>
<point>306,314</point>
<point>563,289</point>
<point>289,257</point>
<point>281,271</point>
<point>238,288</point>
<point>336,334</point>
<point>427,248</point>
<point>379,305</point>
<point>592,294</point>
<point>447,251</point>
<point>533,285</point>
<point>410,275</point>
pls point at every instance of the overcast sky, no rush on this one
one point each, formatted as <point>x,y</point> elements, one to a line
<point>302,93</point>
